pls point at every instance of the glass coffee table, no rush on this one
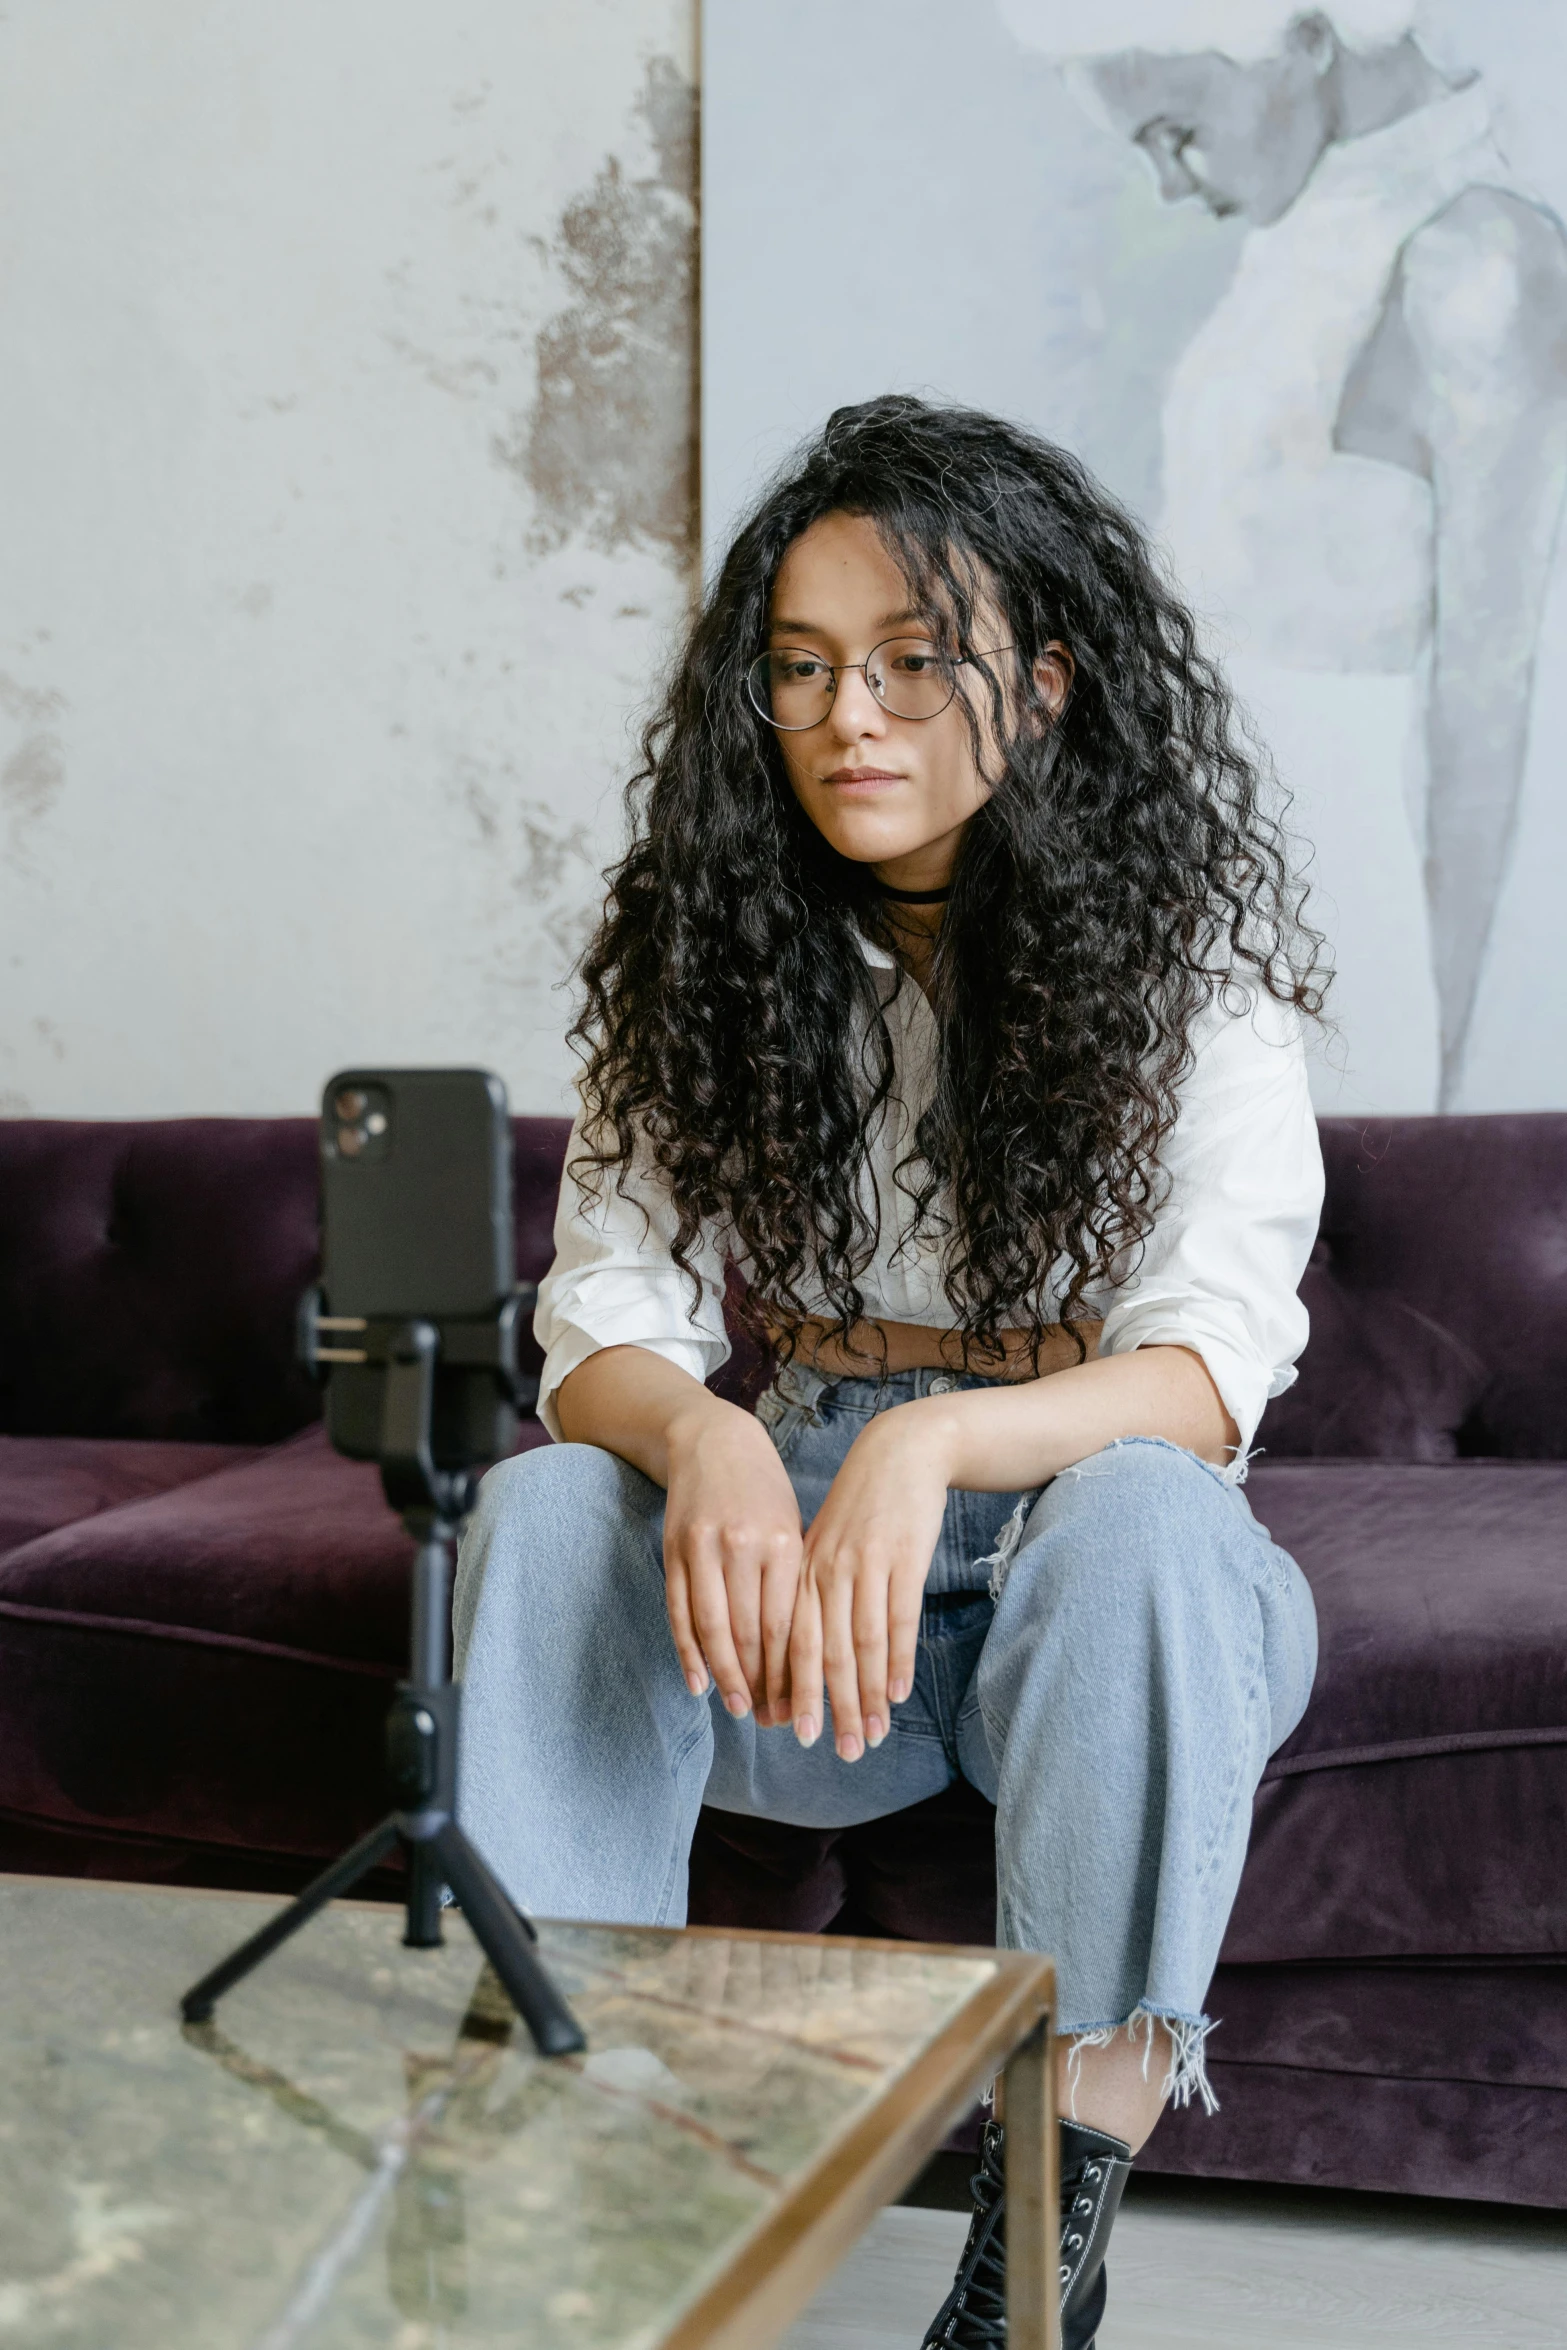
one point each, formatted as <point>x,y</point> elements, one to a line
<point>362,2150</point>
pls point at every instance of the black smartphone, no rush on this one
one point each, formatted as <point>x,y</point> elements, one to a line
<point>416,1219</point>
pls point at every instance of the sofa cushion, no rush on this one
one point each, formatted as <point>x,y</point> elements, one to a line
<point>291,1548</point>
<point>1421,1807</point>
<point>1415,2080</point>
<point>49,1481</point>
<point>1509,2018</point>
<point>1442,1596</point>
<point>211,1663</point>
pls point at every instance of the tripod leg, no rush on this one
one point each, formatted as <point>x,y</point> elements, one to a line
<point>197,2004</point>
<point>425,1884</point>
<point>503,1938</point>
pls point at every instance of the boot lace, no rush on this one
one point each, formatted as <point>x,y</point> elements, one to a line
<point>974,2314</point>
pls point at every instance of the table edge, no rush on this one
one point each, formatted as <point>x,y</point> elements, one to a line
<point>280,1901</point>
<point>797,2244</point>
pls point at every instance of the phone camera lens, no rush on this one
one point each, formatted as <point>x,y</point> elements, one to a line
<point>351,1140</point>
<point>376,1122</point>
<point>350,1102</point>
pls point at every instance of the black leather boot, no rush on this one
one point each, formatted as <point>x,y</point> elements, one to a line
<point>1094,2172</point>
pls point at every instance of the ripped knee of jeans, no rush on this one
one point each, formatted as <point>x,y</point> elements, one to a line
<point>1000,1560</point>
<point>1232,1473</point>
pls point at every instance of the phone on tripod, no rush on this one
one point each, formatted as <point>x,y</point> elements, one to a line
<point>420,1302</point>
<point>416,1219</point>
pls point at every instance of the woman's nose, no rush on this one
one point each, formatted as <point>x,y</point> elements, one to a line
<point>855,710</point>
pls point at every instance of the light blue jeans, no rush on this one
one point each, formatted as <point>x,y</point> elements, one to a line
<point>1110,1661</point>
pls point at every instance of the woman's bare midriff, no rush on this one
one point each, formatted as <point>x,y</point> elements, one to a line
<point>871,1349</point>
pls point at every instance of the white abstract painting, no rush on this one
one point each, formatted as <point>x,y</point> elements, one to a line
<point>1295,284</point>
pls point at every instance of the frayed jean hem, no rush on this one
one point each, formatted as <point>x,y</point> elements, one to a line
<point>1186,2078</point>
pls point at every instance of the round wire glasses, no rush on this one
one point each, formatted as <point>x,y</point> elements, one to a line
<point>909,676</point>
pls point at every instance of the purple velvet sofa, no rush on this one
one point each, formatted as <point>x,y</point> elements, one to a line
<point>201,1609</point>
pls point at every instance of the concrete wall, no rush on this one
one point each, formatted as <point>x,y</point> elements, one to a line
<point>346,491</point>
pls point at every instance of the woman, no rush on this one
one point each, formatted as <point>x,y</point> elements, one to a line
<point>952,989</point>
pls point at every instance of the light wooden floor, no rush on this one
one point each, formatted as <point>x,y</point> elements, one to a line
<point>1202,2267</point>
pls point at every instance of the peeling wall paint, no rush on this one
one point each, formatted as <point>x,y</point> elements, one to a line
<point>347,453</point>
<point>610,445</point>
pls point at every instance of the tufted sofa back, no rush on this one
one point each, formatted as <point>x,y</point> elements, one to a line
<point>149,1274</point>
<point>1437,1293</point>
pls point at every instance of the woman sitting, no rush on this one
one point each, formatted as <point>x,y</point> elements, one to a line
<point>952,989</point>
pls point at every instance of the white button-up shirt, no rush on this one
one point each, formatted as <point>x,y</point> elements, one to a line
<point>1219,1271</point>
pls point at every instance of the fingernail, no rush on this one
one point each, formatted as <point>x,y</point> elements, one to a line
<point>697,1684</point>
<point>875,1729</point>
<point>898,1691</point>
<point>806,1730</point>
<point>737,1705</point>
<point>849,1748</point>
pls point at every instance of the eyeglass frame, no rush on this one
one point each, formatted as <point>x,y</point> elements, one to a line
<point>839,669</point>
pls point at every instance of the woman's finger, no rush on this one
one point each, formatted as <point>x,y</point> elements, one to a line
<point>677,1599</point>
<point>840,1666</point>
<point>710,1614</point>
<point>805,1664</point>
<point>780,1705</point>
<point>742,1570</point>
<point>905,1598</point>
<point>780,1585</point>
<point>868,1624</point>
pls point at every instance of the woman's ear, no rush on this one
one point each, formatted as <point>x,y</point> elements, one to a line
<point>1053,674</point>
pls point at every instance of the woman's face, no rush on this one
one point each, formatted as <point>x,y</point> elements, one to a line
<point>888,792</point>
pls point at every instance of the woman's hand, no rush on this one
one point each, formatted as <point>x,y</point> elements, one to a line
<point>731,1524</point>
<point>732,1551</point>
<point>867,1555</point>
<point>871,1543</point>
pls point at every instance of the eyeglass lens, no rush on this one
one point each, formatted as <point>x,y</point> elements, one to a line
<point>795,689</point>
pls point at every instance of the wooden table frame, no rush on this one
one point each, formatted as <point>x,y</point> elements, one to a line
<point>1005,2028</point>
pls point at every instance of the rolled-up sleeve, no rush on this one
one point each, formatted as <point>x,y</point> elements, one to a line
<point>614,1282</point>
<point>1220,1271</point>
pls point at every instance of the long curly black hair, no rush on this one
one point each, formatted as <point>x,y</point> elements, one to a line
<point>1125,863</point>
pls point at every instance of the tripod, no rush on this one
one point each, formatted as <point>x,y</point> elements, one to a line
<point>421,1728</point>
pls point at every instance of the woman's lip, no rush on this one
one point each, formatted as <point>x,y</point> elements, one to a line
<point>851,775</point>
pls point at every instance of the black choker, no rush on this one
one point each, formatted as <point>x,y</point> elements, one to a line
<point>917,897</point>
